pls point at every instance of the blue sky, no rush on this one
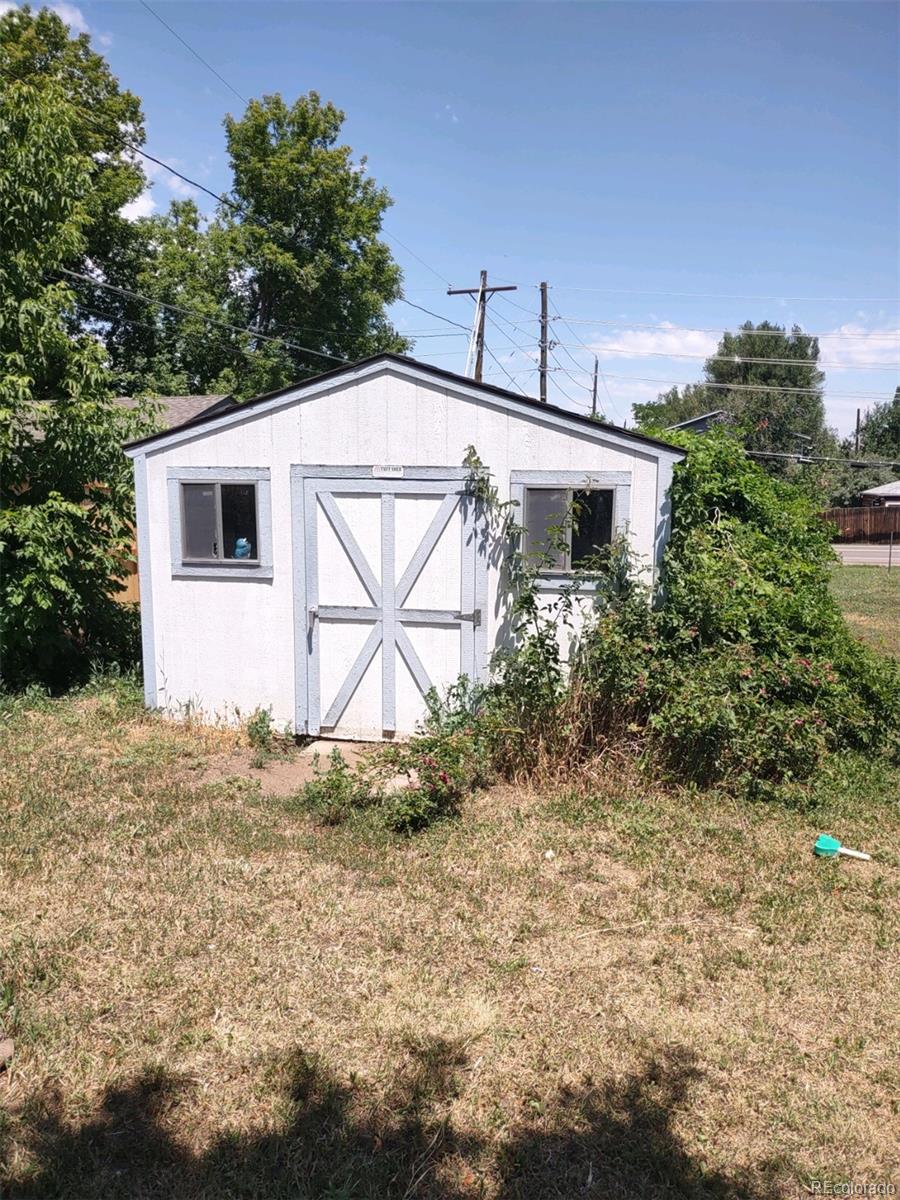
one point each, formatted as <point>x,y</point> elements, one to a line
<point>669,168</point>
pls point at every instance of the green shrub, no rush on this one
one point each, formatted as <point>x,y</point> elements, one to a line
<point>335,792</point>
<point>743,672</point>
<point>409,784</point>
<point>772,679</point>
<point>260,730</point>
<point>442,767</point>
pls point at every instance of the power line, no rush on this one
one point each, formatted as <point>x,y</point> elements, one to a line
<point>725,296</point>
<point>482,309</point>
<point>481,294</point>
<point>748,387</point>
<point>222,79</point>
<point>199,57</point>
<point>504,370</point>
<point>404,300</point>
<point>802,458</point>
<point>512,341</point>
<point>597,369</point>
<point>739,358</point>
<point>559,386</point>
<point>190,312</point>
<point>393,238</point>
<point>669,328</point>
<point>559,366</point>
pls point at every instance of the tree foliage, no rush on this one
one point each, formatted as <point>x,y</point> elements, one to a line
<point>743,674</point>
<point>676,405</point>
<point>879,433</point>
<point>107,122</point>
<point>293,254</point>
<point>66,489</point>
<point>772,402</point>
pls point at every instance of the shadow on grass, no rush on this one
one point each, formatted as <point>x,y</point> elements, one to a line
<point>614,1141</point>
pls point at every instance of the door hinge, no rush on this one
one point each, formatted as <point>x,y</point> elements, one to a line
<point>474,616</point>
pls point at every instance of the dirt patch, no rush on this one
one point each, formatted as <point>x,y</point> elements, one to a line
<point>282,774</point>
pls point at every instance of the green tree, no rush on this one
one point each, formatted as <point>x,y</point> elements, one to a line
<point>178,345</point>
<point>293,254</point>
<point>65,487</point>
<point>107,122</point>
<point>674,406</point>
<point>768,379</point>
<point>838,484</point>
<point>879,433</point>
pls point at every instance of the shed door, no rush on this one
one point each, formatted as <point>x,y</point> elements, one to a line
<point>393,576</point>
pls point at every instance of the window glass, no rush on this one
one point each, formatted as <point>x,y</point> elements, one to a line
<point>592,524</point>
<point>200,533</point>
<point>239,535</point>
<point>544,509</point>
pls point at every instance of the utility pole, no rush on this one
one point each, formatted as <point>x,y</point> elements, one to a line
<point>545,343</point>
<point>476,342</point>
<point>594,391</point>
<point>857,433</point>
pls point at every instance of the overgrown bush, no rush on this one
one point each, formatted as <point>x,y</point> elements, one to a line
<point>743,672</point>
<point>740,671</point>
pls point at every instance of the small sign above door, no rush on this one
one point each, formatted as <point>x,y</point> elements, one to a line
<point>387,472</point>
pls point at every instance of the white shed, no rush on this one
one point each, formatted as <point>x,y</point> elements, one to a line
<point>316,551</point>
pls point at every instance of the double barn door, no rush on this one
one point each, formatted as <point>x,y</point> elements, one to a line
<point>389,595</point>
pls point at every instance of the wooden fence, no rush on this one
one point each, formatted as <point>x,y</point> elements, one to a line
<point>865,524</point>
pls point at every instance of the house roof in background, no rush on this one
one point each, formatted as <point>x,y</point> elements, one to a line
<point>717,414</point>
<point>884,489</point>
<point>178,410</point>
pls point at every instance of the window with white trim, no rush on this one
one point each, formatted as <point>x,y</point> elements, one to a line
<point>220,521</point>
<point>565,527</point>
<point>571,514</point>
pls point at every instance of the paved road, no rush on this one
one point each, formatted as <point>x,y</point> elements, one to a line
<point>859,554</point>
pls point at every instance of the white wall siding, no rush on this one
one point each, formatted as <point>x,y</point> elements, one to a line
<point>227,646</point>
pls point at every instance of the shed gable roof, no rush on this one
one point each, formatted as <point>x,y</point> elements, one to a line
<point>410,367</point>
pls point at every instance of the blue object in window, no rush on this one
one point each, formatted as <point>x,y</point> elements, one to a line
<point>242,548</point>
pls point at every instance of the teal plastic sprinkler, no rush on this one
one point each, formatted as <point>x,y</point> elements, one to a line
<point>830,847</point>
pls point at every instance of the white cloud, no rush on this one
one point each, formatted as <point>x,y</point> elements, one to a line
<point>72,16</point>
<point>178,187</point>
<point>69,13</point>
<point>668,339</point>
<point>158,174</point>
<point>143,206</point>
<point>105,40</point>
<point>853,347</point>
<point>447,113</point>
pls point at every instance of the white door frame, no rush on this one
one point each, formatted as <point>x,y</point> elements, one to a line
<point>309,484</point>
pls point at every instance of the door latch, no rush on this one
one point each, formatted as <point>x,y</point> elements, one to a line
<point>313,613</point>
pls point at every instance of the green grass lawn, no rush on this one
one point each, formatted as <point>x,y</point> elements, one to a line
<point>870,600</point>
<point>613,991</point>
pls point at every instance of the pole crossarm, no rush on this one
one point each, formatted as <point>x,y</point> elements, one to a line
<point>476,341</point>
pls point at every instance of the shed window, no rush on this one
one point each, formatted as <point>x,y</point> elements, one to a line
<point>567,526</point>
<point>218,523</point>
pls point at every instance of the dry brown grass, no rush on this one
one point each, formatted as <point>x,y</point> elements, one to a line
<point>212,997</point>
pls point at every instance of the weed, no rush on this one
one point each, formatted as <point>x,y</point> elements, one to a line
<point>336,792</point>
<point>260,730</point>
